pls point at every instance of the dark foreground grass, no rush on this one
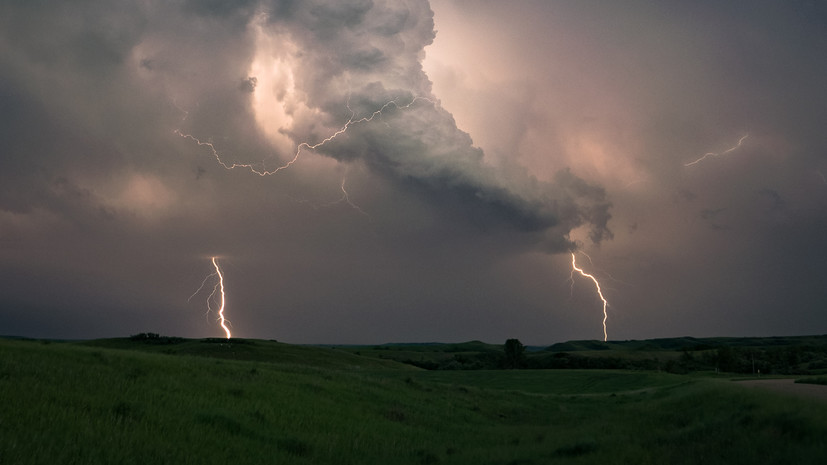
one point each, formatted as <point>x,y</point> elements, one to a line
<point>252,350</point>
<point>66,404</point>
<point>554,381</point>
<point>813,380</point>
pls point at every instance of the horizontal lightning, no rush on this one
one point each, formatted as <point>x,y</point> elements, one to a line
<point>304,145</point>
<point>714,154</point>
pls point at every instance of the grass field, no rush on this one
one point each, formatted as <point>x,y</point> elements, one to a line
<point>108,403</point>
<point>565,382</point>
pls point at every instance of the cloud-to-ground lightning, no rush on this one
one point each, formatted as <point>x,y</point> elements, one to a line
<point>716,154</point>
<point>216,294</point>
<point>263,171</point>
<point>218,288</point>
<point>575,268</point>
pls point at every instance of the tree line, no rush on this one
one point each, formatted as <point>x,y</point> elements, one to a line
<point>797,359</point>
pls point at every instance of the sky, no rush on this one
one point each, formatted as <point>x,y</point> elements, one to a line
<point>371,171</point>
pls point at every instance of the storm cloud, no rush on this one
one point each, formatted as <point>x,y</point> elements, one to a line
<point>481,145</point>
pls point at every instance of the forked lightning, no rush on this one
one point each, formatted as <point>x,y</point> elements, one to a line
<point>218,289</point>
<point>304,145</point>
<point>216,294</point>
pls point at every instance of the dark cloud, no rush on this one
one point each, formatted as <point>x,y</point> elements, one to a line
<point>248,85</point>
<point>416,142</point>
<point>428,218</point>
<point>95,98</point>
<point>712,216</point>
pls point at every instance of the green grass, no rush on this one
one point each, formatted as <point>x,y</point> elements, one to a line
<point>253,350</point>
<point>433,353</point>
<point>566,382</point>
<point>69,403</point>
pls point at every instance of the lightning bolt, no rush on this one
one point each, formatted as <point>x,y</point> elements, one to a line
<point>575,269</point>
<point>217,293</point>
<point>713,154</point>
<point>346,199</point>
<point>220,288</point>
<point>263,171</point>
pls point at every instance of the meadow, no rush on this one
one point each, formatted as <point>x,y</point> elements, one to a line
<point>212,401</point>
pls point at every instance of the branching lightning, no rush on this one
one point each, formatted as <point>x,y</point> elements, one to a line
<point>304,145</point>
<point>216,294</point>
<point>575,269</point>
<point>346,199</point>
<point>715,154</point>
<point>218,288</point>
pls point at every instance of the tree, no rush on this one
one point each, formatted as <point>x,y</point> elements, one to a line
<point>514,354</point>
<point>725,359</point>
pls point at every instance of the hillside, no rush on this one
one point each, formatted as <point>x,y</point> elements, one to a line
<point>768,355</point>
<point>754,355</point>
<point>253,350</point>
<point>91,403</point>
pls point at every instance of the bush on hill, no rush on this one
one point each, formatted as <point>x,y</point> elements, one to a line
<point>155,338</point>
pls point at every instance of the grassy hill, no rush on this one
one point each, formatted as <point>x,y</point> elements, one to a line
<point>769,355</point>
<point>748,355</point>
<point>689,343</point>
<point>465,355</point>
<point>132,402</point>
<point>253,350</point>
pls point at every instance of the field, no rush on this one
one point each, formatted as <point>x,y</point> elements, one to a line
<point>210,401</point>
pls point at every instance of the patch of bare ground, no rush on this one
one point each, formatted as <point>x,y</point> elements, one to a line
<point>789,386</point>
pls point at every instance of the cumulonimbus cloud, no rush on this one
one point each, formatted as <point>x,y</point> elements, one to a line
<point>258,78</point>
<point>357,57</point>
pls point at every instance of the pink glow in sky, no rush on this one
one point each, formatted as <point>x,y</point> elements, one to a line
<point>489,141</point>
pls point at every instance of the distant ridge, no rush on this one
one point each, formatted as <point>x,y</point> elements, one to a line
<point>688,343</point>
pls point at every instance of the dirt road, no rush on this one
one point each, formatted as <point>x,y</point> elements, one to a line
<point>789,386</point>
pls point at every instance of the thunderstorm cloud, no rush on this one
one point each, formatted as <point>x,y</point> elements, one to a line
<point>443,159</point>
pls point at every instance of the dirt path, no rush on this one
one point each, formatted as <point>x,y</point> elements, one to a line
<point>789,386</point>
